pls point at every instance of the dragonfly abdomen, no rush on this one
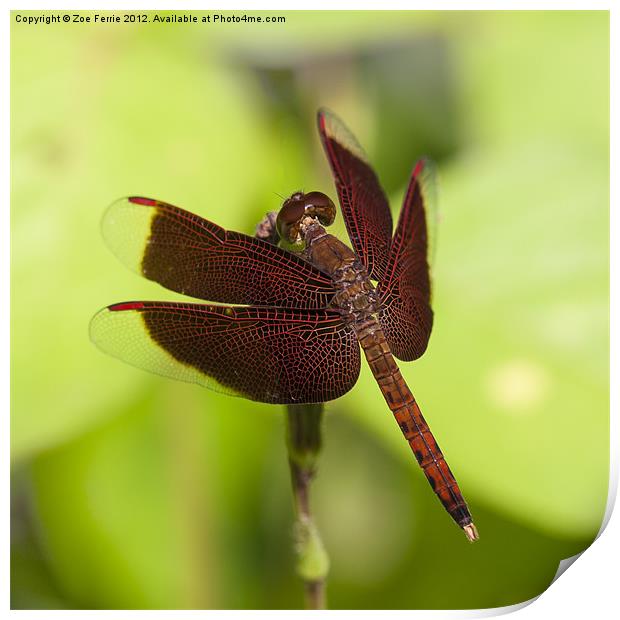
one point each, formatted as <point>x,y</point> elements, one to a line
<point>358,302</point>
<point>412,423</point>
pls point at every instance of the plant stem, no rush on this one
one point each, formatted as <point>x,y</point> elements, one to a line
<point>304,447</point>
<point>303,439</point>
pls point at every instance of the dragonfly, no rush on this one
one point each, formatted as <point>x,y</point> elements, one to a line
<point>284,323</point>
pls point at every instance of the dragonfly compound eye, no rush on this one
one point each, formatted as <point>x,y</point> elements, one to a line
<point>289,218</point>
<point>320,206</point>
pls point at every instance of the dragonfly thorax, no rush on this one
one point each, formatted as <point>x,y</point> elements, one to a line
<point>356,298</point>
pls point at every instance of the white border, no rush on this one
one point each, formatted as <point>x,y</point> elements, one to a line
<point>323,5</point>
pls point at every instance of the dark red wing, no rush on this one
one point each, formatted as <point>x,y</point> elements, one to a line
<point>195,257</point>
<point>364,205</point>
<point>272,355</point>
<point>405,293</point>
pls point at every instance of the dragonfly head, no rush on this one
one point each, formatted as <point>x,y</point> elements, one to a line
<point>299,206</point>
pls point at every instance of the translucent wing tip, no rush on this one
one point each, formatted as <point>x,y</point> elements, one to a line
<point>332,127</point>
<point>328,123</point>
<point>424,169</point>
<point>126,228</point>
<point>120,331</point>
<point>102,325</point>
<point>425,174</point>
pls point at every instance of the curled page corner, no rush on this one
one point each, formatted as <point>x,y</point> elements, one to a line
<point>564,564</point>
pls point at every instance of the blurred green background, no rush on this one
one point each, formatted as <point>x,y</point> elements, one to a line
<point>133,491</point>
